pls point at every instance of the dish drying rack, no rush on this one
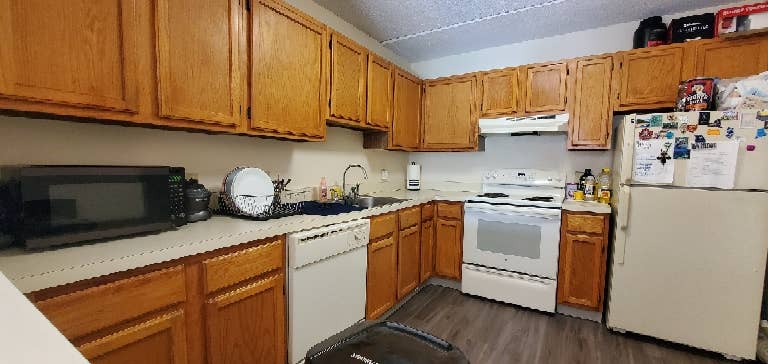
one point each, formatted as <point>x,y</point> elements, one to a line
<point>284,203</point>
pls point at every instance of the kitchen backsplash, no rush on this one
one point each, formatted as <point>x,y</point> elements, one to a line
<point>208,157</point>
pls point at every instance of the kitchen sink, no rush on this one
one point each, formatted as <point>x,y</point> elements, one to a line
<point>335,208</point>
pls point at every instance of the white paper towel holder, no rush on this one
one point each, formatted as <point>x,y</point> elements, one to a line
<point>413,177</point>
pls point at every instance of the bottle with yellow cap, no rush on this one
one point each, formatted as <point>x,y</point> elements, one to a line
<point>604,186</point>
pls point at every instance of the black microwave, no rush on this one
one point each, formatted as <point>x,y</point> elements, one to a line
<point>44,206</point>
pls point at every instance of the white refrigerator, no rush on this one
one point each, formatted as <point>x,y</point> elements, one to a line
<point>691,233</point>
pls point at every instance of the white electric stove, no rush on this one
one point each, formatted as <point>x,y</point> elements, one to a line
<point>512,236</point>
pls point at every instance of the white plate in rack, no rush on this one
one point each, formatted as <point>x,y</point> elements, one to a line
<point>251,190</point>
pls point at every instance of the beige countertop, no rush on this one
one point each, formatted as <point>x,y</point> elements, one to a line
<point>586,206</point>
<point>34,270</point>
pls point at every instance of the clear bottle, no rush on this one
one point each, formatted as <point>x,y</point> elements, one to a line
<point>589,188</point>
<point>323,189</point>
<point>604,186</point>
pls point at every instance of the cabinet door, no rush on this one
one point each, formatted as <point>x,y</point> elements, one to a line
<point>381,291</point>
<point>732,58</point>
<point>247,325</point>
<point>197,61</point>
<point>649,77</point>
<point>288,87</point>
<point>408,261</point>
<point>379,92</point>
<point>591,114</point>
<point>427,249</point>
<point>349,65</point>
<point>76,52</point>
<point>450,113</point>
<point>406,121</point>
<point>448,248</point>
<point>545,87</point>
<point>501,93</point>
<point>581,271</point>
<point>161,340</point>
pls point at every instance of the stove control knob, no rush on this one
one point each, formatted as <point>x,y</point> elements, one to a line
<point>495,175</point>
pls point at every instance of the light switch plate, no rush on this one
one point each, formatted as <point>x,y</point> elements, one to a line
<point>384,175</point>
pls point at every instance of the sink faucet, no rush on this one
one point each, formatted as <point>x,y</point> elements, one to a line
<point>356,189</point>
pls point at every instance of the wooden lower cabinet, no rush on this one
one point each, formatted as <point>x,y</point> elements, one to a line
<point>427,249</point>
<point>581,273</point>
<point>381,291</point>
<point>160,340</point>
<point>449,232</point>
<point>247,325</point>
<point>408,260</point>
<point>226,306</point>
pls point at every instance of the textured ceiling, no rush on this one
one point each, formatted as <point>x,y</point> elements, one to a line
<point>420,30</point>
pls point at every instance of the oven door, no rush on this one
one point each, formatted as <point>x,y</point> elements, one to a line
<point>517,239</point>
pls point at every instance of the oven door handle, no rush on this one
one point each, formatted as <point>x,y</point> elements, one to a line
<point>538,213</point>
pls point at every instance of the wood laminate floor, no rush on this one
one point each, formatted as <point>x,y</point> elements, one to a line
<point>489,332</point>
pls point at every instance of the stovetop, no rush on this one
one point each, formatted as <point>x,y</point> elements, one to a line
<point>522,187</point>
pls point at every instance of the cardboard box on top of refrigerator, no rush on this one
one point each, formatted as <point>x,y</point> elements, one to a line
<point>742,18</point>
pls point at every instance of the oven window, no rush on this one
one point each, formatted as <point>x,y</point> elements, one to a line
<point>509,238</point>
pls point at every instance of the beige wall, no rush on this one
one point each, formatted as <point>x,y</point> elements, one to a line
<point>210,157</point>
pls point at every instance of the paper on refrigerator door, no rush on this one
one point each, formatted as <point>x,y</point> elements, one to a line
<point>648,166</point>
<point>713,167</point>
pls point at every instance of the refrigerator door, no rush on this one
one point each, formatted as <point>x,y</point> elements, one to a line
<point>692,267</point>
<point>751,166</point>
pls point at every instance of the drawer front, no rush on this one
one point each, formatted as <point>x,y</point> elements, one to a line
<point>409,217</point>
<point>231,269</point>
<point>585,223</point>
<point>427,212</point>
<point>383,225</point>
<point>449,211</point>
<point>86,311</point>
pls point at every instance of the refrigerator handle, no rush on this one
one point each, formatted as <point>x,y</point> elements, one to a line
<point>623,218</point>
<point>628,150</point>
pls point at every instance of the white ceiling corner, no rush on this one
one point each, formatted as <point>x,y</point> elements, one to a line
<point>420,30</point>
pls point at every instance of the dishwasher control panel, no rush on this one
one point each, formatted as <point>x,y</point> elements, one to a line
<point>314,245</point>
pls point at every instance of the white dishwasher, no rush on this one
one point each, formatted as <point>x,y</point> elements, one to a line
<point>326,283</point>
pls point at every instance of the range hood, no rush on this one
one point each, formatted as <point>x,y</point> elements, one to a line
<point>524,125</point>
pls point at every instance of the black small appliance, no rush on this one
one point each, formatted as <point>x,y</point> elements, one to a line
<point>197,200</point>
<point>692,27</point>
<point>44,206</point>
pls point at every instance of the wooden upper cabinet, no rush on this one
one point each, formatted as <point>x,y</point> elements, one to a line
<point>501,93</point>
<point>77,52</point>
<point>379,100</point>
<point>288,75</point>
<point>406,111</point>
<point>198,61</point>
<point>649,77</point>
<point>545,87</point>
<point>247,324</point>
<point>450,113</point>
<point>591,116</point>
<point>732,58</point>
<point>161,340</point>
<point>349,63</point>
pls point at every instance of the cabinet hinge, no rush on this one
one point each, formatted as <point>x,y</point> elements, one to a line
<point>248,112</point>
<point>247,5</point>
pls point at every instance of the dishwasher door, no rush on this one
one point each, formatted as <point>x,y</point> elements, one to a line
<point>326,283</point>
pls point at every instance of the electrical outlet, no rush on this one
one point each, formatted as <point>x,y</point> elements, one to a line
<point>384,175</point>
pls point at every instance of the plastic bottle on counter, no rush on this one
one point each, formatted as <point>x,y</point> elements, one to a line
<point>323,189</point>
<point>589,188</point>
<point>604,186</point>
